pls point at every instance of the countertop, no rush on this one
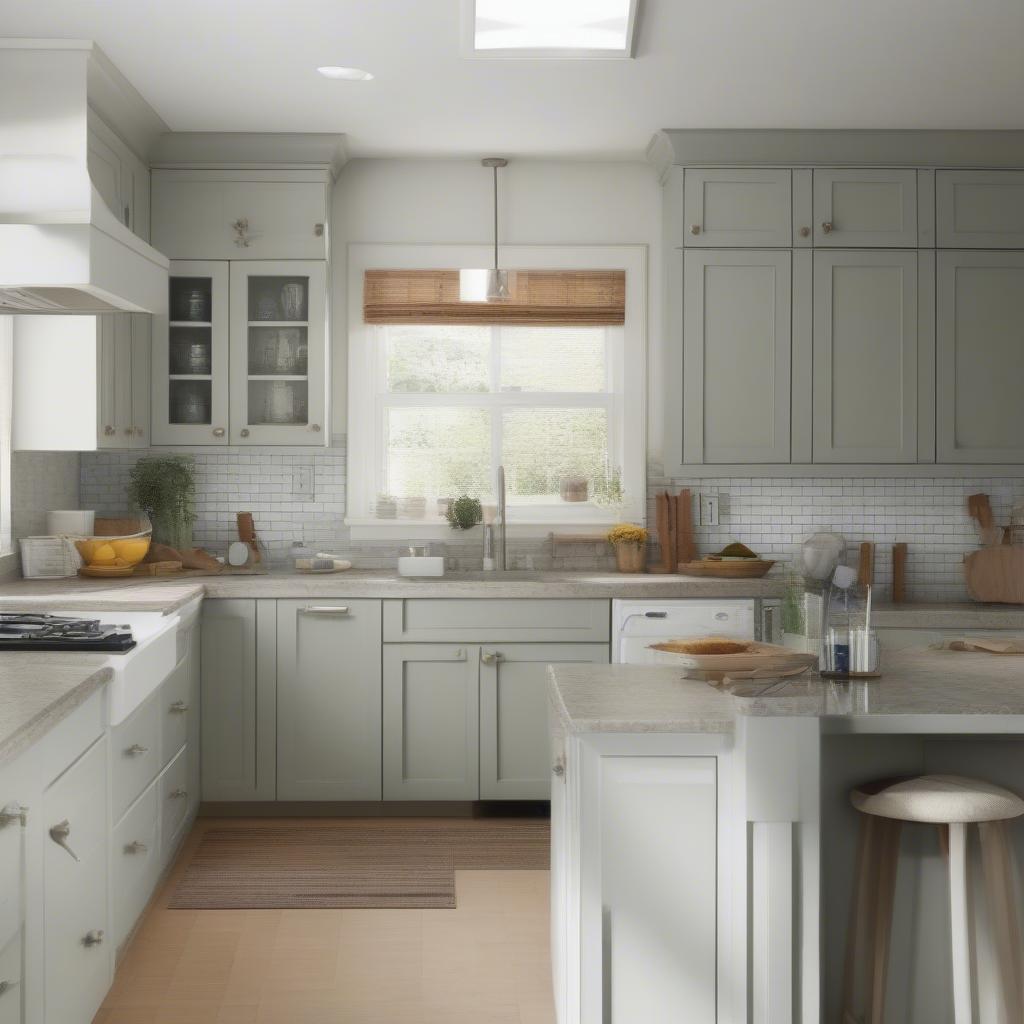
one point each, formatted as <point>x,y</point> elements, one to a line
<point>915,684</point>
<point>38,690</point>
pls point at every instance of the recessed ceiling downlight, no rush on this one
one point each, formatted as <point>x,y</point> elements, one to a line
<point>345,74</point>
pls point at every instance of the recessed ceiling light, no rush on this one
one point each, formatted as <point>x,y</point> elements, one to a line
<point>346,74</point>
<point>541,28</point>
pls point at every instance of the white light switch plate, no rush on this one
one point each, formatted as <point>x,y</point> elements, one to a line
<point>709,510</point>
<point>302,482</point>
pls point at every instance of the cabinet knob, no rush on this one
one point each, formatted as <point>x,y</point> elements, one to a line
<point>218,431</point>
<point>694,229</point>
<point>140,431</point>
<point>93,938</point>
<point>490,657</point>
<point>318,230</point>
<point>178,707</point>
<point>177,794</point>
<point>136,847</point>
<point>805,232</point>
<point>244,432</point>
<point>6,986</point>
<point>129,431</point>
<point>315,427</point>
<point>13,813</point>
<point>558,769</point>
<point>135,749</point>
<point>60,834</point>
<point>109,431</point>
<point>827,227</point>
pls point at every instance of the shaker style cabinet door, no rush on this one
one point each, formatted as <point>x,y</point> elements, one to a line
<point>980,209</point>
<point>328,700</point>
<point>431,724</point>
<point>190,357</point>
<point>279,352</point>
<point>515,755</point>
<point>736,356</point>
<point>980,357</point>
<point>865,357</point>
<point>746,207</point>
<point>865,206</point>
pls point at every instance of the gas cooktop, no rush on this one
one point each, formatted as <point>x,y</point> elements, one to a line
<point>30,631</point>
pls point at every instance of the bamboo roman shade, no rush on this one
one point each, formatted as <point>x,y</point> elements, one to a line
<point>541,298</point>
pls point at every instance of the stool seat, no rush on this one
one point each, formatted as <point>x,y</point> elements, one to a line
<point>937,799</point>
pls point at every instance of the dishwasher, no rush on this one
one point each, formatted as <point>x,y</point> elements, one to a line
<point>638,624</point>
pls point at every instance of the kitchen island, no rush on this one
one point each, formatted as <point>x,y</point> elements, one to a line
<point>703,840</point>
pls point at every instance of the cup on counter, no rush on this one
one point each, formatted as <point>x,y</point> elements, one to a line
<point>864,651</point>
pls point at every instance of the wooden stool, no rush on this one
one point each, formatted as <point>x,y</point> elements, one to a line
<point>951,802</point>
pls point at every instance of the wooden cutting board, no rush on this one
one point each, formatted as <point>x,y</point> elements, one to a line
<point>761,658</point>
<point>727,569</point>
<point>996,574</point>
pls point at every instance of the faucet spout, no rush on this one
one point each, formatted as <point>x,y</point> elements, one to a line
<point>501,560</point>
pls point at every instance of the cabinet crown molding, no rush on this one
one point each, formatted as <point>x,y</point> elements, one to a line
<point>251,149</point>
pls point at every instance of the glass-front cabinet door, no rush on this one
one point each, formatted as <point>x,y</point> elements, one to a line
<point>278,352</point>
<point>191,357</point>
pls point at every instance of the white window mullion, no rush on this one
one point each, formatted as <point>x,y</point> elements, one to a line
<point>497,416</point>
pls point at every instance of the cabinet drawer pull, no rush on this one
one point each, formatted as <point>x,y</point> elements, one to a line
<point>827,227</point>
<point>93,938</point>
<point>177,794</point>
<point>491,657</point>
<point>135,749</point>
<point>218,431</point>
<point>13,813</point>
<point>136,847</point>
<point>59,834</point>
<point>325,609</point>
<point>6,986</point>
<point>178,707</point>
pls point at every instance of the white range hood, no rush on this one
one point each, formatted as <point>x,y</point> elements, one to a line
<point>61,248</point>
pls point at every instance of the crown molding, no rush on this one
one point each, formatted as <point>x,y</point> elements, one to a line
<point>251,150</point>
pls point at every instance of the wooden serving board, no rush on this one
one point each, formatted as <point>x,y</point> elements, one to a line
<point>996,574</point>
<point>727,569</point>
<point>764,659</point>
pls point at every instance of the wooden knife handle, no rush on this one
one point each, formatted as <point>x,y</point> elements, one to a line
<point>899,573</point>
<point>866,566</point>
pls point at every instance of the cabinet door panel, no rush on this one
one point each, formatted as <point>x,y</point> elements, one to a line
<point>515,759</point>
<point>980,209</point>
<point>135,864</point>
<point>279,352</point>
<point>736,357</point>
<point>648,884</point>
<point>238,700</point>
<point>865,206</point>
<point>329,700</point>
<point>431,723</point>
<point>141,384</point>
<point>191,357</point>
<point>746,207</point>
<point>11,971</point>
<point>980,357</point>
<point>865,357</point>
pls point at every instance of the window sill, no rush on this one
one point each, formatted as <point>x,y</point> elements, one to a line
<point>419,529</point>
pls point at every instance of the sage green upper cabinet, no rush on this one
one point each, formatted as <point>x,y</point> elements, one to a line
<point>328,700</point>
<point>239,700</point>
<point>736,356</point>
<point>119,176</point>
<point>865,356</point>
<point>980,357</point>
<point>980,209</point>
<point>746,208</point>
<point>865,206</point>
<point>231,214</point>
<point>431,725</point>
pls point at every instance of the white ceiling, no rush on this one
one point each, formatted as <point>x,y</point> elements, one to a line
<point>249,65</point>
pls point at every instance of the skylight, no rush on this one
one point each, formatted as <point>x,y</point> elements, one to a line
<point>552,28</point>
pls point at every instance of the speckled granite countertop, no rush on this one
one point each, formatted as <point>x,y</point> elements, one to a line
<point>635,698</point>
<point>38,690</point>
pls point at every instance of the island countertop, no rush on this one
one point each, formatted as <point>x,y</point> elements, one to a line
<point>920,691</point>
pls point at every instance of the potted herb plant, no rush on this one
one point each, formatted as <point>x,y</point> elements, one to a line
<point>630,545</point>
<point>164,487</point>
<point>464,513</point>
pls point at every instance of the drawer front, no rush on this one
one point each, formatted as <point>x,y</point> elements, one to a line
<point>11,981</point>
<point>175,706</point>
<point>980,209</point>
<point>12,838</point>
<point>77,971</point>
<point>172,791</point>
<point>476,621</point>
<point>865,206</point>
<point>134,754</point>
<point>135,863</point>
<point>745,207</point>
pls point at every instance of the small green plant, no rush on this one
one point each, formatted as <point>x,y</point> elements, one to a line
<point>164,487</point>
<point>464,513</point>
<point>608,491</point>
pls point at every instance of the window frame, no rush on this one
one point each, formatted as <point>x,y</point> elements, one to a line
<point>6,434</point>
<point>626,402</point>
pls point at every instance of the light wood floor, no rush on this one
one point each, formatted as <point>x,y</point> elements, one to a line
<point>485,962</point>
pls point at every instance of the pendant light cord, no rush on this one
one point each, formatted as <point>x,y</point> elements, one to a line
<point>495,169</point>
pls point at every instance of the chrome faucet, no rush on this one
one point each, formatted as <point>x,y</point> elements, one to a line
<point>501,559</point>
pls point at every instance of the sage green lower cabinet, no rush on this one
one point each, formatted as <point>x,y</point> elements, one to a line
<point>239,699</point>
<point>329,700</point>
<point>431,722</point>
<point>12,890</point>
<point>515,757</point>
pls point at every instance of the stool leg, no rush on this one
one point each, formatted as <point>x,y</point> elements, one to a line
<point>885,899</point>
<point>1001,895</point>
<point>962,1000</point>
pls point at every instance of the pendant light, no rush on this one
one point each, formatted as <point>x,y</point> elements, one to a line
<point>488,285</point>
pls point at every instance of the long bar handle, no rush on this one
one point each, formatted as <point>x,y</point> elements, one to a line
<point>325,609</point>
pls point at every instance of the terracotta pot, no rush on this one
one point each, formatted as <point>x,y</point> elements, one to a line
<point>630,556</point>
